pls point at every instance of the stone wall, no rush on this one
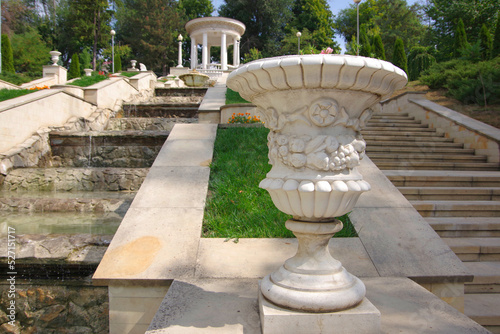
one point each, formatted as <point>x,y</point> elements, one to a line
<point>133,149</point>
<point>54,294</point>
<point>75,179</point>
<point>57,309</point>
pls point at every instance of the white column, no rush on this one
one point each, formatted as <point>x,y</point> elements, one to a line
<point>180,55</point>
<point>235,54</point>
<point>238,51</point>
<point>204,51</point>
<point>193,53</point>
<point>223,52</point>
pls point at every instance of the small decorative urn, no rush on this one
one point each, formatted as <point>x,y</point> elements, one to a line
<point>315,107</point>
<point>54,56</point>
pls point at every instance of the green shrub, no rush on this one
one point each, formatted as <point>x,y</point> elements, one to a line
<point>18,78</point>
<point>419,60</point>
<point>365,46</point>
<point>399,57</point>
<point>74,67</point>
<point>466,81</point>
<point>118,63</point>
<point>7,55</point>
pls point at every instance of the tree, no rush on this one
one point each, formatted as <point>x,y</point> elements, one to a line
<point>30,52</point>
<point>443,14</point>
<point>496,41</point>
<point>193,9</point>
<point>7,55</point>
<point>378,47</point>
<point>317,18</point>
<point>290,42</point>
<point>485,42</point>
<point>391,18</point>
<point>84,23</point>
<point>364,43</point>
<point>399,57</point>
<point>74,67</point>
<point>150,28</point>
<point>265,22</point>
<point>460,38</point>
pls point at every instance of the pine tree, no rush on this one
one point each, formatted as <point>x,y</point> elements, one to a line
<point>460,39</point>
<point>378,47</point>
<point>7,55</point>
<point>118,63</point>
<point>485,42</point>
<point>365,45</point>
<point>74,67</point>
<point>495,52</point>
<point>399,57</point>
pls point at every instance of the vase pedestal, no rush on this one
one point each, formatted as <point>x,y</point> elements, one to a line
<point>362,319</point>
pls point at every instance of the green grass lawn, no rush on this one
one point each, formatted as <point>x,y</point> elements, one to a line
<point>6,94</point>
<point>233,97</point>
<point>88,81</point>
<point>236,206</point>
<point>129,74</point>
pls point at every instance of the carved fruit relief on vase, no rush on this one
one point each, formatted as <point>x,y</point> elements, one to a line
<point>315,107</point>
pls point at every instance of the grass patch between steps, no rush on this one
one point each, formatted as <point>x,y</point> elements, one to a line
<point>7,94</point>
<point>89,81</point>
<point>236,207</point>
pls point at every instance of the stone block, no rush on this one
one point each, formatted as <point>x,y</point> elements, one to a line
<point>364,318</point>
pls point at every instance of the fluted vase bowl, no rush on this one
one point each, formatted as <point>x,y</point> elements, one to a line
<point>315,107</point>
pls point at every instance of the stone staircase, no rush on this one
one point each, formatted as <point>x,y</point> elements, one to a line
<point>456,191</point>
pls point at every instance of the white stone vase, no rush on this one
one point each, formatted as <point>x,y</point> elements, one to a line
<point>315,107</point>
<point>54,56</point>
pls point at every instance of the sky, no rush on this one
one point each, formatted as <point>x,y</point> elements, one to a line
<point>335,7</point>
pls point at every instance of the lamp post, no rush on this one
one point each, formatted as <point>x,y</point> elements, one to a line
<point>298,45</point>
<point>113,33</point>
<point>179,38</point>
<point>357,26</point>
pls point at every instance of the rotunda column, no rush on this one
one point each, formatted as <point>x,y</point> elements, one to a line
<point>194,55</point>
<point>204,52</point>
<point>223,52</point>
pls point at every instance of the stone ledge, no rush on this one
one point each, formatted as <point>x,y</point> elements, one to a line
<point>461,119</point>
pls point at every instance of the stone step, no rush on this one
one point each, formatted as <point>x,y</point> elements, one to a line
<point>181,91</point>
<point>405,135</point>
<point>74,179</point>
<point>457,208</point>
<point>484,309</point>
<point>438,178</point>
<point>465,227</point>
<point>475,249</point>
<point>146,123</point>
<point>406,140</point>
<point>419,148</point>
<point>431,166</point>
<point>385,120</point>
<point>389,129</point>
<point>486,277</point>
<point>165,110</point>
<point>451,193</point>
<point>427,156</point>
<point>395,115</point>
<point>400,125</point>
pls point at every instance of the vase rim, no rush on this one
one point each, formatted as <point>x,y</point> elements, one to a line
<point>327,71</point>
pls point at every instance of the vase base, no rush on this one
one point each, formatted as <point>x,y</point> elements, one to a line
<point>364,318</point>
